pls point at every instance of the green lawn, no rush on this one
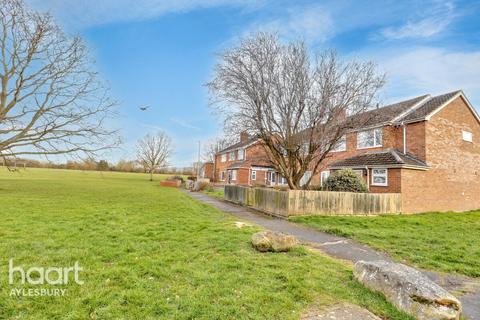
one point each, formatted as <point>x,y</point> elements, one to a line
<point>217,193</point>
<point>153,253</point>
<point>448,242</point>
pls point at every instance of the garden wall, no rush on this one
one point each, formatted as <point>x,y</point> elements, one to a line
<point>300,202</point>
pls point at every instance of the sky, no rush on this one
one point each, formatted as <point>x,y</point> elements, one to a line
<point>161,53</point>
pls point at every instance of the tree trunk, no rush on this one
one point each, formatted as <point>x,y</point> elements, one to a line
<point>151,175</point>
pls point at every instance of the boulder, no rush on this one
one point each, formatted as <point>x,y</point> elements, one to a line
<point>273,241</point>
<point>409,290</point>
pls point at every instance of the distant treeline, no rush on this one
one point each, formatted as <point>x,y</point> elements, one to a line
<point>91,164</point>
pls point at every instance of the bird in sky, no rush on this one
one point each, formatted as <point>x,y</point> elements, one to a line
<point>144,108</point>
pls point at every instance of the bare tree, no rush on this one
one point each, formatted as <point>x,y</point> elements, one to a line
<point>51,102</point>
<point>300,107</point>
<point>153,151</point>
<point>212,147</point>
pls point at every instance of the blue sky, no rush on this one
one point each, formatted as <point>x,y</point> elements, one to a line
<point>160,53</point>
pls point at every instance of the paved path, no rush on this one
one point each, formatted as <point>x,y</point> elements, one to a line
<point>345,249</point>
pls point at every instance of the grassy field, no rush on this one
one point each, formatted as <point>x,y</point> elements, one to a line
<point>448,242</point>
<point>152,253</point>
<point>217,193</point>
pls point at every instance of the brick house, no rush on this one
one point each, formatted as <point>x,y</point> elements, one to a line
<point>246,163</point>
<point>425,148</point>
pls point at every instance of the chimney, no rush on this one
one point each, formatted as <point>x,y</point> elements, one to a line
<point>244,136</point>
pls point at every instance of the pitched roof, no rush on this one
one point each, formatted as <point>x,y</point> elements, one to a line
<point>431,105</point>
<point>387,113</point>
<point>240,144</point>
<point>387,158</point>
<point>250,163</point>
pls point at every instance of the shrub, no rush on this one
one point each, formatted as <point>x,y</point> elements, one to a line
<point>202,186</point>
<point>345,180</point>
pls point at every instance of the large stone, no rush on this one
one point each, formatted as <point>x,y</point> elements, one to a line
<point>273,241</point>
<point>409,290</point>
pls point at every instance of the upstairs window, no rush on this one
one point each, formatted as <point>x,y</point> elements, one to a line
<point>369,139</point>
<point>341,145</point>
<point>232,155</point>
<point>467,136</point>
<point>240,154</point>
<point>224,157</point>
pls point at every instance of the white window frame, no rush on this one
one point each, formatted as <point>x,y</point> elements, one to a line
<point>241,152</point>
<point>224,157</point>
<point>231,155</point>
<point>324,176</point>
<point>341,145</point>
<point>376,132</point>
<point>234,175</point>
<point>385,175</point>
<point>254,175</point>
<point>467,136</point>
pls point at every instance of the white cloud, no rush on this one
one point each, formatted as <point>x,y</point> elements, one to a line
<point>440,17</point>
<point>418,70</point>
<point>313,24</point>
<point>86,13</point>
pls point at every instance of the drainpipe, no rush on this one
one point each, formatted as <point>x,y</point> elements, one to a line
<point>404,138</point>
<point>368,178</point>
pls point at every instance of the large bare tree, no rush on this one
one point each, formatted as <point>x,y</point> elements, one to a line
<point>300,106</point>
<point>51,101</point>
<point>213,146</point>
<point>153,151</point>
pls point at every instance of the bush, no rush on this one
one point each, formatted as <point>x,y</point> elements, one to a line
<point>345,180</point>
<point>202,186</point>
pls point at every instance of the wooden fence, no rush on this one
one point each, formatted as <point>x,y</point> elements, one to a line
<point>299,202</point>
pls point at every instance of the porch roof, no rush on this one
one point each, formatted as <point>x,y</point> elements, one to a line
<point>390,158</point>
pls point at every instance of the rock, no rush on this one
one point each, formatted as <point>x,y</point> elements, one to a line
<point>344,311</point>
<point>241,225</point>
<point>409,290</point>
<point>273,241</point>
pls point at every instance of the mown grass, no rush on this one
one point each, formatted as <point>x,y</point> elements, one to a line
<point>447,242</point>
<point>215,192</point>
<point>153,253</point>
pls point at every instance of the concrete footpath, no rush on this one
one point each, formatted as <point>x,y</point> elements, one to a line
<point>349,250</point>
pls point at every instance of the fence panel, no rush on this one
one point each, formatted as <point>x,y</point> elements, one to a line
<point>300,202</point>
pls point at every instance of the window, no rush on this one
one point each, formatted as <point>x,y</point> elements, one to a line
<point>341,145</point>
<point>234,175</point>
<point>254,175</point>
<point>272,177</point>
<point>232,155</point>
<point>369,138</point>
<point>224,157</point>
<point>379,177</point>
<point>222,175</point>
<point>467,136</point>
<point>284,181</point>
<point>305,178</point>
<point>240,154</point>
<point>324,176</point>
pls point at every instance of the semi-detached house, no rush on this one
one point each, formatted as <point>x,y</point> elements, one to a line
<point>426,148</point>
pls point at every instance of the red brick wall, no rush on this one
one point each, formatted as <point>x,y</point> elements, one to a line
<point>415,134</point>
<point>453,181</point>
<point>394,182</point>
